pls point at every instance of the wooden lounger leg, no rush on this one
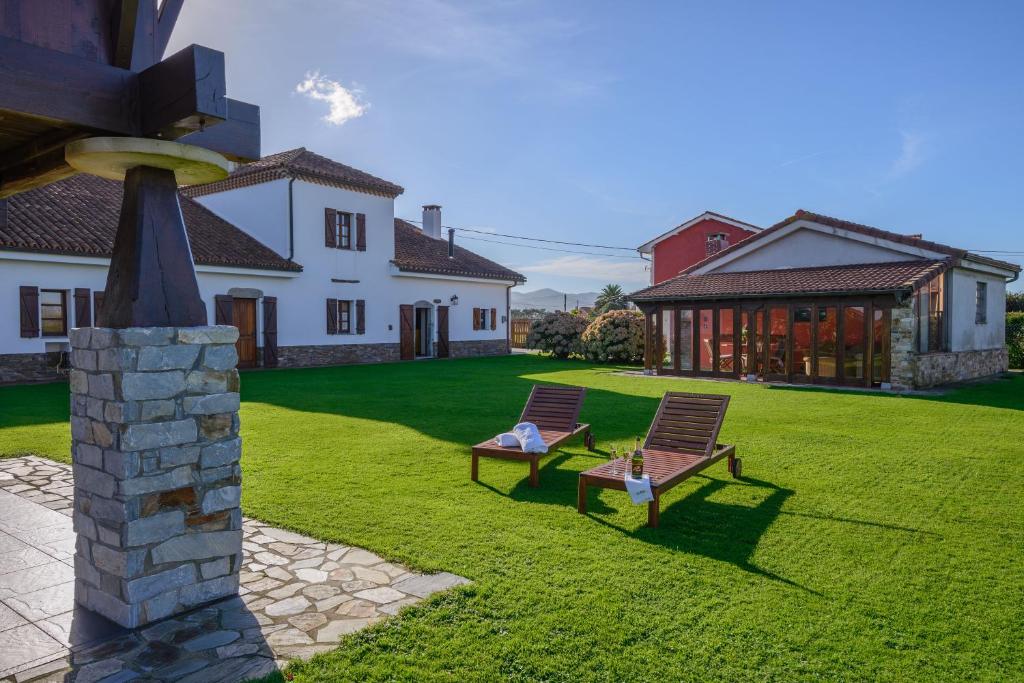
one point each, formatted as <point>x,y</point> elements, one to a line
<point>475,470</point>
<point>581,497</point>
<point>732,464</point>
<point>534,474</point>
<point>654,511</point>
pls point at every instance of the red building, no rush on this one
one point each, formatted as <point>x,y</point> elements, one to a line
<point>692,242</point>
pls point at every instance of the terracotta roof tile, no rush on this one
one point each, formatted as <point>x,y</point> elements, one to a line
<point>416,252</point>
<point>79,215</point>
<point>860,279</point>
<point>858,228</point>
<point>302,164</point>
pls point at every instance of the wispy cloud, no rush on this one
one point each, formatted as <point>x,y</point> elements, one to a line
<point>591,268</point>
<point>800,159</point>
<point>913,152</point>
<point>343,104</point>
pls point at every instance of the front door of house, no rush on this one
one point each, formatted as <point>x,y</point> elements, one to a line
<point>442,332</point>
<point>245,320</point>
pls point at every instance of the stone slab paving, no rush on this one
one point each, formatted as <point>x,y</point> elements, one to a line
<point>298,596</point>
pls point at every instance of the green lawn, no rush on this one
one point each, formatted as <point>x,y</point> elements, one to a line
<point>873,537</point>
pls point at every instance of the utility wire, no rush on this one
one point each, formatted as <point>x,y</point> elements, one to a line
<point>564,251</point>
<point>532,239</point>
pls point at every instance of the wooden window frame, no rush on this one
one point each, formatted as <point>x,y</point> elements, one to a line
<point>344,316</point>
<point>63,305</point>
<point>344,239</point>
<point>980,303</point>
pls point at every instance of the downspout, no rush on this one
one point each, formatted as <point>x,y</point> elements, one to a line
<point>291,221</point>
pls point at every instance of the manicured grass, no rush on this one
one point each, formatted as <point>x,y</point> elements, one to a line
<point>873,537</point>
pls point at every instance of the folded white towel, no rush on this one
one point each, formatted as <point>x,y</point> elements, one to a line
<point>507,440</point>
<point>639,489</point>
<point>529,437</point>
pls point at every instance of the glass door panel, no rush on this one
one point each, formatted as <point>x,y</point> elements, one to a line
<point>746,343</point>
<point>757,331</point>
<point>686,340</point>
<point>726,341</point>
<point>705,339</point>
<point>853,343</point>
<point>778,328</point>
<point>880,345</point>
<point>667,341</point>
<point>802,342</point>
<point>827,348</point>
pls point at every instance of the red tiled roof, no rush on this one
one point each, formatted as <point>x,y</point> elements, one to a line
<point>856,279</point>
<point>302,164</point>
<point>79,215</point>
<point>416,252</point>
<point>858,228</point>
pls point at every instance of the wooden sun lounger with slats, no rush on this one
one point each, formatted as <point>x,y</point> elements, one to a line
<point>556,411</point>
<point>682,441</point>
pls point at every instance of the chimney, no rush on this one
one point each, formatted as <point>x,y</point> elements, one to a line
<point>432,220</point>
<point>716,242</point>
<point>451,242</point>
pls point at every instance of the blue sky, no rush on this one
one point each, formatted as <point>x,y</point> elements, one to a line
<point>609,123</point>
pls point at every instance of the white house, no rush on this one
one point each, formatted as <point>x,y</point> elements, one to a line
<point>303,254</point>
<point>816,299</point>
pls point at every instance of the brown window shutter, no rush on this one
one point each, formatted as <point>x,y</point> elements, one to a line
<point>476,318</point>
<point>330,228</point>
<point>494,318</point>
<point>270,331</point>
<point>360,316</point>
<point>97,303</point>
<point>360,232</point>
<point>332,316</point>
<point>29,311</point>
<point>83,312</point>
<point>224,309</point>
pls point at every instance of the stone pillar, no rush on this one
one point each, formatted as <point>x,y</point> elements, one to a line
<point>902,347</point>
<point>155,447</point>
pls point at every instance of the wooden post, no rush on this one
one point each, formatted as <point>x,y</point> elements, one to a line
<point>654,510</point>
<point>474,473</point>
<point>534,474</point>
<point>581,496</point>
<point>152,281</point>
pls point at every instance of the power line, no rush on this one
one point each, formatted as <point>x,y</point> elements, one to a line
<point>532,239</point>
<point>564,251</point>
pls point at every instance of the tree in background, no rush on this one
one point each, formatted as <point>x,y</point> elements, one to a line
<point>528,313</point>
<point>611,298</point>
<point>1015,302</point>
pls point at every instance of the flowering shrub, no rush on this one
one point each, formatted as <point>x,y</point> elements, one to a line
<point>557,333</point>
<point>1015,338</point>
<point>615,337</point>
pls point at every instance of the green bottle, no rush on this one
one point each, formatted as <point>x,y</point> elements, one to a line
<point>638,460</point>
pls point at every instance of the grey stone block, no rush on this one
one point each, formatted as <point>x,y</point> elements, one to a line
<point>146,336</point>
<point>108,536</point>
<point>79,337</point>
<point>218,567</point>
<point>179,455</point>
<point>101,434</point>
<point>209,590</point>
<point>220,357</point>
<point>155,528</point>
<point>79,382</point>
<point>102,386</point>
<point>210,334</point>
<point>222,453</point>
<point>84,525</point>
<point>121,411</point>
<point>198,546</point>
<point>122,563</point>
<point>156,410</point>
<point>83,359</point>
<point>206,382</point>
<point>94,407</point>
<point>102,337</point>
<point>116,359</point>
<point>89,455</point>
<point>160,606</point>
<point>94,481</point>
<point>222,498</point>
<point>150,586</point>
<point>113,511</point>
<point>168,481</point>
<point>208,476</point>
<point>85,571</point>
<point>121,464</point>
<point>112,608</point>
<point>174,357</point>
<point>138,437</point>
<point>143,386</point>
<point>211,404</point>
<point>81,429</point>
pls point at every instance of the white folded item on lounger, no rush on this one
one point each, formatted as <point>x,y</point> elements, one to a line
<point>507,440</point>
<point>530,440</point>
<point>639,489</point>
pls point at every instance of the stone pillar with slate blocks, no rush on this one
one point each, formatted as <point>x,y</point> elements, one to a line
<point>155,447</point>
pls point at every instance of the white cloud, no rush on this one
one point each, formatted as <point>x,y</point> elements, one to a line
<point>912,153</point>
<point>343,103</point>
<point>621,271</point>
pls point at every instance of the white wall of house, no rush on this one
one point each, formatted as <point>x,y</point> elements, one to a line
<point>965,333</point>
<point>262,209</point>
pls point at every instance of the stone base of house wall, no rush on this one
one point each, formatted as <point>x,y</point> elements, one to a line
<point>155,451</point>
<point>19,368</point>
<point>931,369</point>
<point>335,354</point>
<point>482,347</point>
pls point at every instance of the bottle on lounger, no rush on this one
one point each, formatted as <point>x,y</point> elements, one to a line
<point>637,463</point>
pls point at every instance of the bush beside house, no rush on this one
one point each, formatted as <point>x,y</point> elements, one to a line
<point>1015,338</point>
<point>615,337</point>
<point>558,333</point>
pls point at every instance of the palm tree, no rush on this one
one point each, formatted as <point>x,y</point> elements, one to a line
<point>611,298</point>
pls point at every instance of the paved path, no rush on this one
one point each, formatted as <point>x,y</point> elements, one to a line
<point>298,597</point>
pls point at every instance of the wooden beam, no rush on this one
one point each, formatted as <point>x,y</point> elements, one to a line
<point>135,41</point>
<point>237,137</point>
<point>183,94</point>
<point>165,21</point>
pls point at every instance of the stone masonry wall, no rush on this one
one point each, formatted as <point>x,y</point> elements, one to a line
<point>16,368</point>
<point>335,354</point>
<point>482,347</point>
<point>155,447</point>
<point>902,345</point>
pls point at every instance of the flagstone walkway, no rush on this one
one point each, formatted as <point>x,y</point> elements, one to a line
<point>298,597</point>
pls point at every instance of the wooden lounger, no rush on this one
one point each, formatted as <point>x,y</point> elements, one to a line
<point>681,442</point>
<point>556,411</point>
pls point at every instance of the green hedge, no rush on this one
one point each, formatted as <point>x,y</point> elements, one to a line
<point>1015,338</point>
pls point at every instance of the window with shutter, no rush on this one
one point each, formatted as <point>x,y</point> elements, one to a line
<point>476,318</point>
<point>97,304</point>
<point>29,311</point>
<point>330,228</point>
<point>361,231</point>
<point>344,317</point>
<point>344,230</point>
<point>53,310</point>
<point>360,316</point>
<point>83,310</point>
<point>494,318</point>
<point>270,332</point>
<point>224,309</point>
<point>332,316</point>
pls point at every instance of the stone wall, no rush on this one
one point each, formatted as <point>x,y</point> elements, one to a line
<point>482,347</point>
<point>155,447</point>
<point>335,354</point>
<point>17,368</point>
<point>902,345</point>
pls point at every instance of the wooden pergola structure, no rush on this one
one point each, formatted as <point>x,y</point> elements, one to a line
<point>77,69</point>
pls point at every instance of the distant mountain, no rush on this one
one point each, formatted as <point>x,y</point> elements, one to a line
<point>551,300</point>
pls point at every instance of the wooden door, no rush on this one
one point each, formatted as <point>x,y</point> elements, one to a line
<point>442,332</point>
<point>407,343</point>
<point>245,320</point>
